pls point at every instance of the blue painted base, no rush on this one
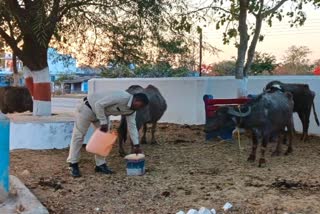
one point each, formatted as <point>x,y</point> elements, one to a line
<point>4,154</point>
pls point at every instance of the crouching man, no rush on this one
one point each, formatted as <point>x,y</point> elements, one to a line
<point>96,109</point>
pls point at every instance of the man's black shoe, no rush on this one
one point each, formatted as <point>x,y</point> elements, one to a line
<point>75,171</point>
<point>103,169</point>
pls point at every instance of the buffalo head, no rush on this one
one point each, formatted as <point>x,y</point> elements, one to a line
<point>225,117</point>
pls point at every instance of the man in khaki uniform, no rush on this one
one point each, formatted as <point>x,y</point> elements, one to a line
<point>96,109</point>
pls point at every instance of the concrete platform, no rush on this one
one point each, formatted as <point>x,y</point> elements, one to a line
<point>32,132</point>
<point>21,200</point>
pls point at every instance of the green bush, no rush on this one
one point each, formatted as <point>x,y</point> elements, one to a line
<point>225,67</point>
<point>117,72</point>
<point>145,71</point>
<point>161,69</point>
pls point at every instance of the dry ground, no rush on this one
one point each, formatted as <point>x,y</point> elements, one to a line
<point>182,172</point>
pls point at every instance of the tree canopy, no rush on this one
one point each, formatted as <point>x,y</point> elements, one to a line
<point>96,31</point>
<point>242,21</point>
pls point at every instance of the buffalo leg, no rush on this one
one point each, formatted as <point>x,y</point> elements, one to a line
<point>144,136</point>
<point>303,118</point>
<point>262,160</point>
<point>121,140</point>
<point>122,136</point>
<point>277,152</point>
<point>252,156</point>
<point>284,139</point>
<point>290,133</point>
<point>153,131</point>
<point>307,121</point>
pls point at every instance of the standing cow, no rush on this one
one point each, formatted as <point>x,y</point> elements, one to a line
<point>303,101</point>
<point>150,114</point>
<point>265,116</point>
<point>15,99</point>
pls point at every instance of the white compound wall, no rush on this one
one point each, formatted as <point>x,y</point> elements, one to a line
<point>184,95</point>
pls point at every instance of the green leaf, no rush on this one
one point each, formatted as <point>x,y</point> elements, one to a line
<point>218,25</point>
<point>199,29</point>
<point>261,37</point>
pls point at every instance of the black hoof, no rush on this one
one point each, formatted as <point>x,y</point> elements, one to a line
<point>251,158</point>
<point>154,142</point>
<point>262,162</point>
<point>289,151</point>
<point>304,138</point>
<point>276,153</point>
<point>143,141</point>
<point>122,153</point>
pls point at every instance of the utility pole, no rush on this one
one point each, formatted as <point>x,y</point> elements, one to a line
<point>200,57</point>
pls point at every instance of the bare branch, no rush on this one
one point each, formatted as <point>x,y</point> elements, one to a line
<point>66,8</point>
<point>12,43</point>
<point>55,10</point>
<point>260,9</point>
<point>208,7</point>
<point>274,9</point>
<point>19,13</point>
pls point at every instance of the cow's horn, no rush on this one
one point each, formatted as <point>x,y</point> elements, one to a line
<point>239,114</point>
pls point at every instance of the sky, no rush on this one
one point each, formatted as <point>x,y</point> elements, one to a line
<point>276,41</point>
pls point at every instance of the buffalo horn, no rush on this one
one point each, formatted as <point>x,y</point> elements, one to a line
<point>239,114</point>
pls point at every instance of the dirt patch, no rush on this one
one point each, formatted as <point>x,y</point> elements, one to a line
<point>182,172</point>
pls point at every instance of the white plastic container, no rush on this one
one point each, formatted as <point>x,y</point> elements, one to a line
<point>135,164</point>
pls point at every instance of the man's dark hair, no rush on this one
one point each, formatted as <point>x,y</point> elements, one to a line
<point>141,97</point>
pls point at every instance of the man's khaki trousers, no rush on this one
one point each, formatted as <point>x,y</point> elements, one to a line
<point>84,117</point>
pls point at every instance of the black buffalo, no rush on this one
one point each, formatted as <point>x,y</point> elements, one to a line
<point>149,114</point>
<point>303,99</point>
<point>15,99</point>
<point>265,116</point>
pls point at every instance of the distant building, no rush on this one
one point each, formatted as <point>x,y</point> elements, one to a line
<point>4,78</point>
<point>77,85</point>
<point>61,63</point>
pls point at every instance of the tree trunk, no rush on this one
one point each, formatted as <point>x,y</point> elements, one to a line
<point>253,44</point>
<point>16,78</point>
<point>242,49</point>
<point>37,76</point>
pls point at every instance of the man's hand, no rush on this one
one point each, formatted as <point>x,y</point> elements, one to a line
<point>137,150</point>
<point>104,128</point>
